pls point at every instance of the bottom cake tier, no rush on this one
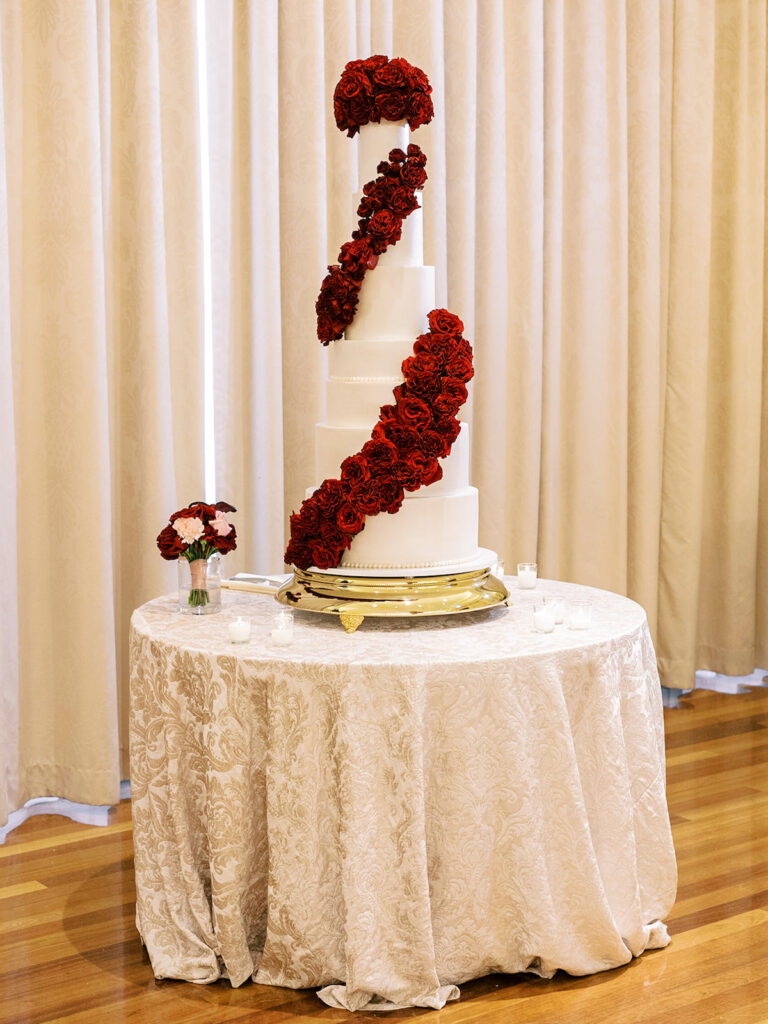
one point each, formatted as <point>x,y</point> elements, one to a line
<point>428,532</point>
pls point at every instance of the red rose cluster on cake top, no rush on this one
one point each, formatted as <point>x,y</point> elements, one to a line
<point>378,89</point>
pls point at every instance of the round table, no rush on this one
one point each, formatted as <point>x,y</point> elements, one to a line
<point>389,813</point>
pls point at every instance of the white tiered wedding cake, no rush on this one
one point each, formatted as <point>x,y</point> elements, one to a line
<point>436,526</point>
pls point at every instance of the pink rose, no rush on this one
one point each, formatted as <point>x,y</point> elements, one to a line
<point>220,525</point>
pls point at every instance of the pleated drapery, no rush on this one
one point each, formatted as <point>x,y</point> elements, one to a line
<point>596,213</point>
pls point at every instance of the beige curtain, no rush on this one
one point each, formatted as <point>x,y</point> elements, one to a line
<point>101,364</point>
<point>596,213</point>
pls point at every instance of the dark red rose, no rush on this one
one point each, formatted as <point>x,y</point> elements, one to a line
<point>299,554</point>
<point>192,511</point>
<point>336,304</point>
<point>405,439</point>
<point>454,388</point>
<point>332,536</point>
<point>310,514</point>
<point>418,80</point>
<point>392,75</point>
<point>327,330</point>
<point>414,412</point>
<point>435,444</point>
<point>460,367</point>
<point>226,543</point>
<point>420,110</point>
<point>354,469</point>
<point>365,497</point>
<point>449,428</point>
<point>413,175</point>
<point>396,156</point>
<point>442,321</point>
<point>384,228</point>
<point>353,82</point>
<point>407,474</point>
<point>429,468</point>
<point>325,556</point>
<point>402,201</point>
<point>414,151</point>
<point>390,495</point>
<point>446,405</point>
<point>441,346</point>
<point>392,106</point>
<point>374,62</point>
<point>424,385</point>
<point>328,497</point>
<point>423,362</point>
<point>380,455</point>
<point>382,429</point>
<point>349,519</point>
<point>422,373</point>
<point>170,543</point>
<point>354,256</point>
<point>361,111</point>
<point>299,530</point>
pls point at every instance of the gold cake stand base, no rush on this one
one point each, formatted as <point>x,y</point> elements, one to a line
<point>353,598</point>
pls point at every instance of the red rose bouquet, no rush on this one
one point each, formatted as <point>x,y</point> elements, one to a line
<point>377,89</point>
<point>195,533</point>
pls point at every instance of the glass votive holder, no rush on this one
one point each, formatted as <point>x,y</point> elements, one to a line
<point>282,627</point>
<point>239,631</point>
<point>498,569</point>
<point>544,616</point>
<point>558,604</point>
<point>526,575</point>
<point>580,615</point>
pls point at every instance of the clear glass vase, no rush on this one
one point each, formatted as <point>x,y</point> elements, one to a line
<point>200,585</point>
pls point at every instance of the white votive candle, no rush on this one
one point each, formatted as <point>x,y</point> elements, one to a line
<point>526,575</point>
<point>239,631</point>
<point>282,637</point>
<point>580,615</point>
<point>544,617</point>
<point>558,607</point>
<point>282,627</point>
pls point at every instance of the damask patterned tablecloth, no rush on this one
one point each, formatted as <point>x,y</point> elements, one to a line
<point>389,813</point>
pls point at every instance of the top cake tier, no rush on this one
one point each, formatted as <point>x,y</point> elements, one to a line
<point>375,143</point>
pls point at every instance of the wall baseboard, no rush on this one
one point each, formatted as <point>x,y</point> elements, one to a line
<point>85,814</point>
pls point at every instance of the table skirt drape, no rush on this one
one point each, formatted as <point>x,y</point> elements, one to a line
<point>389,814</point>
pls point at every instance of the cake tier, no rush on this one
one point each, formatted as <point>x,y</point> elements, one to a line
<point>375,142</point>
<point>356,403</point>
<point>368,360</point>
<point>333,444</point>
<point>394,302</point>
<point>425,533</point>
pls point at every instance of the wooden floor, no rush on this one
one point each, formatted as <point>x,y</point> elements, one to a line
<point>69,950</point>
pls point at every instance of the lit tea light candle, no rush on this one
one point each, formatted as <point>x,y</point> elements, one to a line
<point>239,631</point>
<point>526,575</point>
<point>544,617</point>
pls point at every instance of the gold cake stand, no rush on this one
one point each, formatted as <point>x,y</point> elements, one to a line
<point>387,594</point>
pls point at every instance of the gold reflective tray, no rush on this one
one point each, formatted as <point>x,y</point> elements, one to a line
<point>354,598</point>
